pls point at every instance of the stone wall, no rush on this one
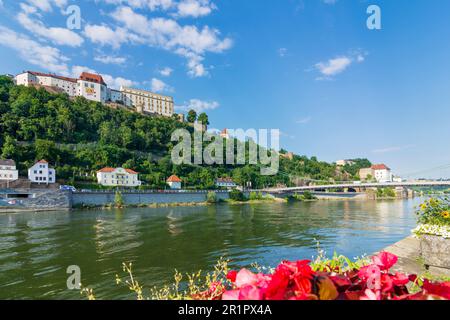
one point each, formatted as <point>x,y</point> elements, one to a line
<point>34,200</point>
<point>136,198</point>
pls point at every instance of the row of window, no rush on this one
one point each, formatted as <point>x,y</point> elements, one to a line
<point>6,176</point>
<point>50,179</point>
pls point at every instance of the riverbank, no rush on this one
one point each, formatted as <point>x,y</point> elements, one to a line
<point>410,261</point>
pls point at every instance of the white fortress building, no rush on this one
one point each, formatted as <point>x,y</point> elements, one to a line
<point>93,87</point>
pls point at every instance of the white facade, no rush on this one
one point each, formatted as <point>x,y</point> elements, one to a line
<point>42,173</point>
<point>382,173</point>
<point>146,101</point>
<point>115,96</point>
<point>8,171</point>
<point>225,183</point>
<point>68,85</point>
<point>118,177</point>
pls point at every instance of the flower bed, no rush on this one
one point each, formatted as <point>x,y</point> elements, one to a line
<point>299,281</point>
<point>433,231</point>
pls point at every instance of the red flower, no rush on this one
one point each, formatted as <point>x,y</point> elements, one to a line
<point>232,276</point>
<point>439,289</point>
<point>385,260</point>
<point>400,279</point>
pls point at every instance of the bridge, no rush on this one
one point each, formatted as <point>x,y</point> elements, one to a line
<point>353,185</point>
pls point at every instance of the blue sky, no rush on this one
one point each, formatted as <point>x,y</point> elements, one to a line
<point>308,67</point>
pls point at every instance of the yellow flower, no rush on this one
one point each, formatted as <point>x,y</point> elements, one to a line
<point>423,206</point>
<point>446,214</point>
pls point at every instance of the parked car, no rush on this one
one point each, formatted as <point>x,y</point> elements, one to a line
<point>67,188</point>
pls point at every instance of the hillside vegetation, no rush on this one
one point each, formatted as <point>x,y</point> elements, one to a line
<point>79,137</point>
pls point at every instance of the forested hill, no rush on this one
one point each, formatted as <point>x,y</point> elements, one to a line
<point>78,137</point>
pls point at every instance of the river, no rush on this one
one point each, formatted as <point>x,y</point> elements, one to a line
<point>37,248</point>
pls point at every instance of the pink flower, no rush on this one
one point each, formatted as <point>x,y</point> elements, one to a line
<point>385,260</point>
<point>245,278</point>
<point>231,295</point>
<point>251,293</point>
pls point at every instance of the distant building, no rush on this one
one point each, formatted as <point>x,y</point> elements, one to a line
<point>343,163</point>
<point>8,171</point>
<point>224,134</point>
<point>397,179</point>
<point>93,87</point>
<point>379,172</point>
<point>40,172</point>
<point>287,155</point>
<point>147,102</point>
<point>118,177</point>
<point>226,183</point>
<point>382,173</point>
<point>366,173</point>
<point>174,182</point>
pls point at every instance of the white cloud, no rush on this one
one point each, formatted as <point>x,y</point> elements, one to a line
<point>106,36</point>
<point>198,106</point>
<point>110,59</point>
<point>46,57</point>
<point>333,66</point>
<point>392,149</point>
<point>46,5</point>
<point>59,36</point>
<point>160,86</point>
<point>144,4</point>
<point>304,120</point>
<point>194,8</point>
<point>188,41</point>
<point>282,52</point>
<point>337,65</point>
<point>166,72</point>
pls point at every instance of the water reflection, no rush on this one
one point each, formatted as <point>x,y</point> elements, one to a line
<point>35,249</point>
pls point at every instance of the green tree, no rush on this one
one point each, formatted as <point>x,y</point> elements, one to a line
<point>204,119</point>
<point>9,150</point>
<point>192,116</point>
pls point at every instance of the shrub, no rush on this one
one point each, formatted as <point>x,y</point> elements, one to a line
<point>211,197</point>
<point>118,200</point>
<point>435,212</point>
<point>237,195</point>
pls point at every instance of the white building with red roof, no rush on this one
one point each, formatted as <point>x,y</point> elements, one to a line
<point>118,177</point>
<point>174,182</point>
<point>42,173</point>
<point>382,173</point>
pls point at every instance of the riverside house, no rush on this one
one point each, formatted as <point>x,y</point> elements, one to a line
<point>8,171</point>
<point>174,182</point>
<point>227,183</point>
<point>41,173</point>
<point>118,177</point>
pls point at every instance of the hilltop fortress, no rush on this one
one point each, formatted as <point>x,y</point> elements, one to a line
<point>93,87</point>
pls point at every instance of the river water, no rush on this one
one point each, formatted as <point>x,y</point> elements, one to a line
<point>37,248</point>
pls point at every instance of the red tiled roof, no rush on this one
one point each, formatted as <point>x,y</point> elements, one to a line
<point>52,75</point>
<point>107,169</point>
<point>173,178</point>
<point>86,76</point>
<point>380,167</point>
<point>42,161</point>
